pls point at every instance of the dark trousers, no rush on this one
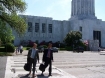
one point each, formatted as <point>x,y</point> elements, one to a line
<point>21,50</point>
<point>48,62</point>
<point>32,61</point>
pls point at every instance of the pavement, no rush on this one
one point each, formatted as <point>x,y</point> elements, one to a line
<point>90,64</point>
<point>3,61</point>
<point>15,64</point>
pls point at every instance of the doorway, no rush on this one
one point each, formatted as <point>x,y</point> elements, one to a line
<point>97,36</point>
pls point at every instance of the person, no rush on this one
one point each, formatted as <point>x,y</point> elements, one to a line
<point>33,57</point>
<point>21,49</point>
<point>17,50</point>
<point>48,58</point>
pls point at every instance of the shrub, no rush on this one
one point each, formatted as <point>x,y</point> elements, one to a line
<point>44,46</point>
<point>2,49</point>
<point>62,49</point>
<point>83,45</point>
<point>62,45</point>
<point>68,48</point>
<point>9,47</point>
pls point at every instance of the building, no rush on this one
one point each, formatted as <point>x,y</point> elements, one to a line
<point>82,19</point>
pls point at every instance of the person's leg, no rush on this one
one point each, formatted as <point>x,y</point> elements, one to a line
<point>30,65</point>
<point>50,68</point>
<point>45,65</point>
<point>16,51</point>
<point>34,68</point>
<point>21,51</point>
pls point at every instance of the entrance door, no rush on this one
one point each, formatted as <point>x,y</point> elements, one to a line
<point>97,36</point>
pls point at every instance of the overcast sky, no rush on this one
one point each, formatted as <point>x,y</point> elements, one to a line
<point>59,9</point>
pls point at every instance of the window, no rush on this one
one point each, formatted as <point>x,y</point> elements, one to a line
<point>29,26</point>
<point>43,27</point>
<point>96,35</point>
<point>36,27</point>
<point>50,28</point>
<point>80,29</point>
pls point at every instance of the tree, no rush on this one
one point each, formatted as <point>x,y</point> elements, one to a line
<point>9,10</point>
<point>5,32</point>
<point>73,38</point>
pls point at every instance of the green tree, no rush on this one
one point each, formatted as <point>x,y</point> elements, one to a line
<point>9,10</point>
<point>0,42</point>
<point>5,32</point>
<point>73,38</point>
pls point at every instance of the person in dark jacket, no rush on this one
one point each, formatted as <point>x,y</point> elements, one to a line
<point>48,58</point>
<point>32,58</point>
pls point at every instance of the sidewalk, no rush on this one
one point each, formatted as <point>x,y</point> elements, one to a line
<point>14,69</point>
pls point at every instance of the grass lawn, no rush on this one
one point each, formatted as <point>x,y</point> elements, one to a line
<point>26,48</point>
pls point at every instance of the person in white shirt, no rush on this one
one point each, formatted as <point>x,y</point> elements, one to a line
<point>33,56</point>
<point>21,49</point>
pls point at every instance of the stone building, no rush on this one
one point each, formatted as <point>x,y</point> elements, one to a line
<point>82,19</point>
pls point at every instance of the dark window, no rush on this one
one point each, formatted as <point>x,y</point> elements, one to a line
<point>97,36</point>
<point>29,26</point>
<point>50,28</point>
<point>80,29</point>
<point>43,27</point>
<point>36,27</point>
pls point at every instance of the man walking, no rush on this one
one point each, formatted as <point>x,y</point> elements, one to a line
<point>48,58</point>
<point>21,49</point>
<point>32,58</point>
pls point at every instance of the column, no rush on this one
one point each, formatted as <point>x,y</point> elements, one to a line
<point>76,7</point>
<point>73,5</point>
<point>72,8</point>
<point>93,7</point>
<point>85,8</point>
<point>88,4</point>
<point>80,6</point>
<point>91,4</point>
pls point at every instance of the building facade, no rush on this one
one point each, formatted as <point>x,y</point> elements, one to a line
<point>82,19</point>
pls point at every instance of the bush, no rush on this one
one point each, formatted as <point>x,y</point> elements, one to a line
<point>83,45</point>
<point>2,49</point>
<point>9,47</point>
<point>62,45</point>
<point>62,49</point>
<point>44,46</point>
<point>68,48</point>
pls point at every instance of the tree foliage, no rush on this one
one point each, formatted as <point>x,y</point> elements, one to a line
<point>9,10</point>
<point>5,32</point>
<point>73,38</point>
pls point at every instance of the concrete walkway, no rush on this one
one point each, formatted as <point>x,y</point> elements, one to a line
<point>15,64</point>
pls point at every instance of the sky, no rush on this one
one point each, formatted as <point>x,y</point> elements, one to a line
<point>59,9</point>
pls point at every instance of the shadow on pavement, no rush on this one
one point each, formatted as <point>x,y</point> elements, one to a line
<point>27,76</point>
<point>42,76</point>
<point>102,54</point>
<point>23,76</point>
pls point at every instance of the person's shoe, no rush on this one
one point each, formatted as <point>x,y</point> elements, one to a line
<point>42,74</point>
<point>33,75</point>
<point>50,75</point>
